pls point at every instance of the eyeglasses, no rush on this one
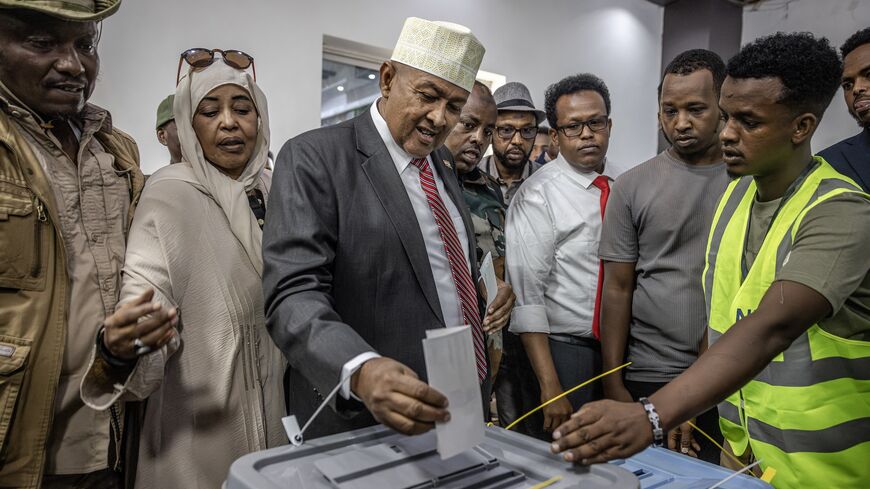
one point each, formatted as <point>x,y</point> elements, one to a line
<point>575,129</point>
<point>202,58</point>
<point>507,132</point>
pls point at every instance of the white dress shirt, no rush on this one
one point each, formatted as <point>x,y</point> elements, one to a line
<point>552,233</point>
<point>438,261</point>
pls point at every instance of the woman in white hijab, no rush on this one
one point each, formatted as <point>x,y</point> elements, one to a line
<point>213,382</point>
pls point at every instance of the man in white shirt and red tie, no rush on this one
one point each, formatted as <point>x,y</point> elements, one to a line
<point>368,244</point>
<point>552,233</point>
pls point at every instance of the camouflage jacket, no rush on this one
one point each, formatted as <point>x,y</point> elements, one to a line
<point>484,199</point>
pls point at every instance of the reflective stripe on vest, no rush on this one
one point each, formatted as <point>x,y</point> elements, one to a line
<point>808,412</point>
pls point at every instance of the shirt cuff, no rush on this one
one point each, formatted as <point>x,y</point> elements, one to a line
<point>529,319</point>
<point>349,368</point>
<point>617,258</point>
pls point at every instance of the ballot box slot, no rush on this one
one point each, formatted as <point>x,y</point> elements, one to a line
<point>381,467</point>
<point>414,464</point>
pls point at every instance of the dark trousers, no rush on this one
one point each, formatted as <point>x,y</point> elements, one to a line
<point>577,359</point>
<point>707,421</point>
<point>517,391</point>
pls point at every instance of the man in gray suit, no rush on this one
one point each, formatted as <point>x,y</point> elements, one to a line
<point>367,243</point>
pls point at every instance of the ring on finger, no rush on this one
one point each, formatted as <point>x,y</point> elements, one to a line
<point>141,348</point>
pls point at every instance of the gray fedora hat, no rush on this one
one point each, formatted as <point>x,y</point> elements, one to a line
<point>514,96</point>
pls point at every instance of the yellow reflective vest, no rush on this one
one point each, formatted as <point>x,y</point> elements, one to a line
<point>807,414</point>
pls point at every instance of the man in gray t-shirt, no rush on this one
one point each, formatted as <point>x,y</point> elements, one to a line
<point>653,241</point>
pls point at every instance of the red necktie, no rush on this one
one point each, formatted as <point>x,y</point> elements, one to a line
<point>604,185</point>
<point>458,266</point>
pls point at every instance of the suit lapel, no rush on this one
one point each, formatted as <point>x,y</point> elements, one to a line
<point>381,173</point>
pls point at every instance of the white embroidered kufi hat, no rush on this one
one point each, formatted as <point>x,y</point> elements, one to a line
<point>446,50</point>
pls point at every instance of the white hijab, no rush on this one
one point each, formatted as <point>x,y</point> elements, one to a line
<point>230,195</point>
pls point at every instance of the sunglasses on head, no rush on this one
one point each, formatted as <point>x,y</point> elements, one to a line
<point>202,58</point>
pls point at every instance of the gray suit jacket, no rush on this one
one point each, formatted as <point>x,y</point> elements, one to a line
<point>345,265</point>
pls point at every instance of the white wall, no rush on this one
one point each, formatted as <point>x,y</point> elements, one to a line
<point>834,19</point>
<point>530,41</point>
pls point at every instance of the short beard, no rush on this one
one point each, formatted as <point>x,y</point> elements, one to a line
<point>503,160</point>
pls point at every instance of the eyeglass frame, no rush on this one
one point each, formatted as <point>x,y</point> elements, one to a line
<point>514,132</point>
<point>583,125</point>
<point>182,60</point>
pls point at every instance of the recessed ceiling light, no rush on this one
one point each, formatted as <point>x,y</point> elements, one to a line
<point>371,76</point>
<point>340,88</point>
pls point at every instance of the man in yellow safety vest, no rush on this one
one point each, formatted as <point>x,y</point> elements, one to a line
<point>787,289</point>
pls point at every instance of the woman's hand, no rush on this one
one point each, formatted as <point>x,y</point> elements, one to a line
<point>602,431</point>
<point>125,334</point>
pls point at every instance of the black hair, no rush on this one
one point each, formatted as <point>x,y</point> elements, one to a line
<point>857,39</point>
<point>573,84</point>
<point>808,68</point>
<point>695,60</point>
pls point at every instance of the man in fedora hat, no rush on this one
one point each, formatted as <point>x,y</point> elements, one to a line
<point>368,243</point>
<point>68,185</point>
<point>515,131</point>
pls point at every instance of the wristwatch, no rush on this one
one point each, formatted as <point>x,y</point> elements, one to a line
<point>655,421</point>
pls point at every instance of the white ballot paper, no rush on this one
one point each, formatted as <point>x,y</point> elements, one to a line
<point>450,365</point>
<point>487,274</point>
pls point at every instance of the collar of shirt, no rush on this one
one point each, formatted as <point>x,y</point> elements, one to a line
<point>490,167</point>
<point>585,179</point>
<point>473,177</point>
<point>400,157</point>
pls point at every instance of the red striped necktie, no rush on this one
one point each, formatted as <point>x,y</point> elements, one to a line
<point>603,184</point>
<point>458,266</point>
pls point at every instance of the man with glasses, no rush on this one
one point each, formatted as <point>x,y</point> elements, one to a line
<point>652,245</point>
<point>514,137</point>
<point>552,236</point>
<point>68,184</point>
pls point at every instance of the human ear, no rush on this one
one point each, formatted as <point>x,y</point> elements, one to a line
<point>388,75</point>
<point>161,136</point>
<point>803,127</point>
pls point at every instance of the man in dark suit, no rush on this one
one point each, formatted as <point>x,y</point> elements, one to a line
<point>851,156</point>
<point>367,244</point>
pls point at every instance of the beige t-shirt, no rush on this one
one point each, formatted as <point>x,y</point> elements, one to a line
<point>829,255</point>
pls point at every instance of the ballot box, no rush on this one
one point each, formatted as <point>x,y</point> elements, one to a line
<point>378,458</point>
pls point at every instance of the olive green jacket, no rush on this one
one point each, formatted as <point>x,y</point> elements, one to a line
<point>34,290</point>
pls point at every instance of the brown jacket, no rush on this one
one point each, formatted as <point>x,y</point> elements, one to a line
<point>34,298</point>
